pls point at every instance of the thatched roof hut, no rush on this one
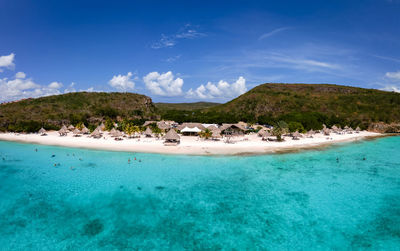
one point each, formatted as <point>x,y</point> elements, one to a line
<point>232,129</point>
<point>148,132</point>
<point>358,129</point>
<point>216,134</point>
<point>264,134</point>
<point>326,131</point>
<point>96,134</point>
<point>310,133</point>
<point>212,127</point>
<point>85,130</point>
<point>261,132</point>
<point>63,131</point>
<point>296,135</point>
<point>149,122</point>
<point>42,132</point>
<point>191,126</point>
<point>163,126</point>
<point>112,132</point>
<point>172,137</point>
<point>76,132</point>
<point>71,128</point>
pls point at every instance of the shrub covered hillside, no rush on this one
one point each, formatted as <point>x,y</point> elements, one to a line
<point>72,108</point>
<point>314,104</point>
<point>305,106</point>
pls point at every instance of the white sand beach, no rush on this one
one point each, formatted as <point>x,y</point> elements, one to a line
<point>191,145</point>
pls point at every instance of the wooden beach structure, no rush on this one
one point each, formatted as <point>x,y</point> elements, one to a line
<point>42,132</point>
<point>63,131</point>
<point>171,138</point>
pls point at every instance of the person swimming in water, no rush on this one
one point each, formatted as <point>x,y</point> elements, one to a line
<point>129,161</point>
<point>337,159</point>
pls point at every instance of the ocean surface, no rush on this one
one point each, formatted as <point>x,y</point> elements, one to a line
<point>337,198</point>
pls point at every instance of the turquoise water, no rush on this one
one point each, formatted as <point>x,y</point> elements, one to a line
<point>73,199</point>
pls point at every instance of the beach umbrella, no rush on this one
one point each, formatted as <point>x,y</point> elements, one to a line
<point>63,131</point>
<point>112,132</point>
<point>76,131</point>
<point>358,129</point>
<point>71,128</point>
<point>118,133</point>
<point>148,132</point>
<point>42,132</point>
<point>296,134</point>
<point>95,134</point>
<point>85,130</point>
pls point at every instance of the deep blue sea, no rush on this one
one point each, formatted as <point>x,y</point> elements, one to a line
<point>337,198</point>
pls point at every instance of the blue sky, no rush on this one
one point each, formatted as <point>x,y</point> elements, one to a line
<point>184,51</point>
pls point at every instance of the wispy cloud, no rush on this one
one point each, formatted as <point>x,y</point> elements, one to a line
<point>173,58</point>
<point>273,32</point>
<point>387,58</point>
<point>186,32</point>
<point>393,75</point>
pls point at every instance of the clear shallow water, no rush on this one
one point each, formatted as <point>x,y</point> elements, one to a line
<point>95,200</point>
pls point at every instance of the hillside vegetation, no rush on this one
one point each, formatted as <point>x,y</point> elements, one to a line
<point>162,107</point>
<point>311,105</point>
<point>72,108</point>
<point>302,106</point>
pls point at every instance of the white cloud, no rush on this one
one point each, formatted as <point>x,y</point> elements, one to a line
<point>21,87</point>
<point>55,85</point>
<point>163,84</point>
<point>70,88</point>
<point>391,88</point>
<point>122,82</point>
<point>186,32</point>
<point>271,33</point>
<point>222,90</point>
<point>20,75</point>
<point>7,61</point>
<point>393,75</point>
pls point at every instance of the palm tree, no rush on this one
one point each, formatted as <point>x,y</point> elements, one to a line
<point>279,129</point>
<point>129,129</point>
<point>206,134</point>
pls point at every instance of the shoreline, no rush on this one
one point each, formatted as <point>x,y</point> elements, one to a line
<point>190,145</point>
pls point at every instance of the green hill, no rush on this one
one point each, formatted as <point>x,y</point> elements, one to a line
<point>309,104</point>
<point>162,107</point>
<point>314,103</point>
<point>88,107</point>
